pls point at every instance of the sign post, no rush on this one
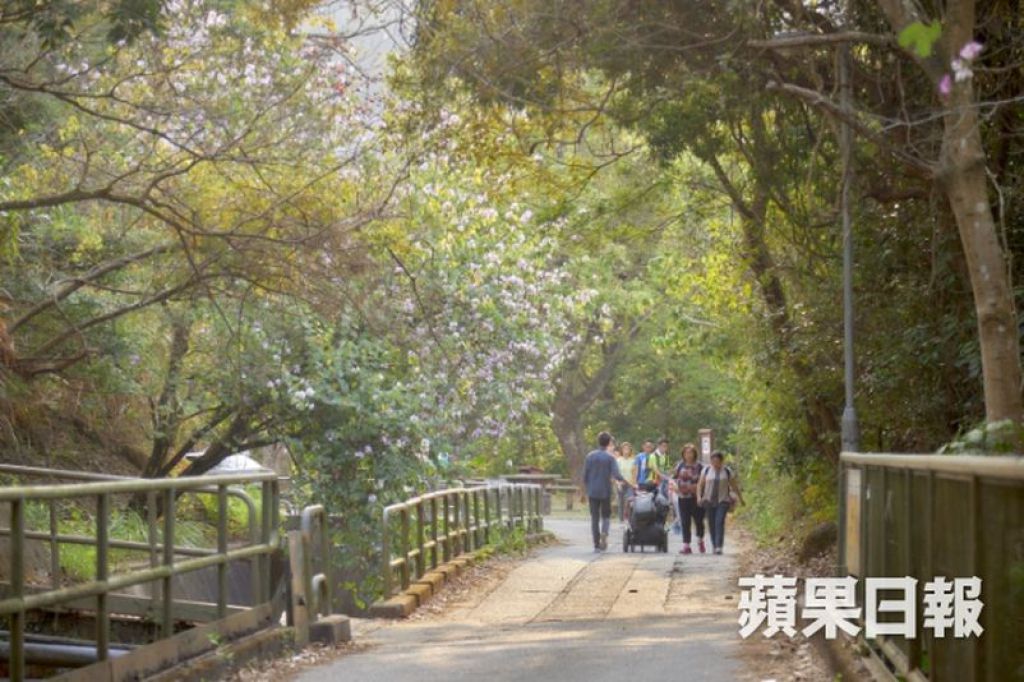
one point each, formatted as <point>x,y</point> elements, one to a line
<point>707,445</point>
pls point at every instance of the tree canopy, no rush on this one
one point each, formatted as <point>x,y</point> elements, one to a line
<point>545,219</point>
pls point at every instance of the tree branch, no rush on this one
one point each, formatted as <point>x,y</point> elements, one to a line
<point>822,40</point>
<point>820,101</point>
<point>71,285</point>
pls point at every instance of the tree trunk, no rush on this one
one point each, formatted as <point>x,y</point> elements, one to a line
<point>576,391</point>
<point>167,410</point>
<point>819,415</point>
<point>568,427</point>
<point>964,179</point>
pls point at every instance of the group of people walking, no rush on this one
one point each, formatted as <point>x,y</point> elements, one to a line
<point>697,492</point>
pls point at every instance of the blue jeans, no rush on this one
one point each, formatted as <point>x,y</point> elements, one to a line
<point>716,523</point>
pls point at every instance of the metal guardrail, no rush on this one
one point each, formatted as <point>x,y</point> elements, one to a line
<point>168,566</point>
<point>953,516</point>
<point>56,539</point>
<point>314,518</point>
<point>449,523</point>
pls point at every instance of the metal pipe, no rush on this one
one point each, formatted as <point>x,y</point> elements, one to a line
<point>114,544</point>
<point>167,613</point>
<point>17,657</point>
<point>54,547</point>
<point>102,570</point>
<point>134,485</point>
<point>59,655</point>
<point>222,550</point>
<point>315,516</point>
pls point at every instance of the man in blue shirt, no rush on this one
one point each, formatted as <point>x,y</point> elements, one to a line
<point>599,469</point>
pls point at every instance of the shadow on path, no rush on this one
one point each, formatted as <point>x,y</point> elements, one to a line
<point>570,615</point>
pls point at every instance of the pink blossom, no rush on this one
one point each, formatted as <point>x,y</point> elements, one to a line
<point>971,50</point>
<point>946,85</point>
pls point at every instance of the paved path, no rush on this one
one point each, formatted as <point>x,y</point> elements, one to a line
<point>570,615</point>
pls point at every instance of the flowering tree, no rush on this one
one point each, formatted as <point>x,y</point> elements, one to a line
<point>214,150</point>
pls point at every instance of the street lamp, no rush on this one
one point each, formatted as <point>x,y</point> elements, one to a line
<point>850,429</point>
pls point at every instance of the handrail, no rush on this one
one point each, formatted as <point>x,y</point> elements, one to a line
<point>56,539</point>
<point>997,466</point>
<point>135,485</point>
<point>449,523</point>
<point>318,584</point>
<point>164,565</point>
<point>931,516</point>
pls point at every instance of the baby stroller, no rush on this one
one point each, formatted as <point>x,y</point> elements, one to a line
<point>646,521</point>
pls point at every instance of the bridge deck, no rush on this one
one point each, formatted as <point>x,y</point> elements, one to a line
<point>568,614</point>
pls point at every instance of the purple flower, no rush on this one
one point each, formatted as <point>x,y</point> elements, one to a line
<point>971,50</point>
<point>946,85</point>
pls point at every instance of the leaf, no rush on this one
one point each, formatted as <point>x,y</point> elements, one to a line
<point>920,38</point>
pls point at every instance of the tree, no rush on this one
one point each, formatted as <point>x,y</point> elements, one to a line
<point>707,78</point>
<point>959,169</point>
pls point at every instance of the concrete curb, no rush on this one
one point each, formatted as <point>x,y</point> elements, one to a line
<point>403,604</point>
<point>419,593</point>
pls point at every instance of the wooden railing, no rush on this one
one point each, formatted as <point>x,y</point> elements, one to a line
<point>928,516</point>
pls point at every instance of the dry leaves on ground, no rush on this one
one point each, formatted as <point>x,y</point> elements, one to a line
<point>780,658</point>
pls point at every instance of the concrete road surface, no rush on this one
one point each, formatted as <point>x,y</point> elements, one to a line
<point>570,615</point>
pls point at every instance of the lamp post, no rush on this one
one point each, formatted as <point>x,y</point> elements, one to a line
<point>850,428</point>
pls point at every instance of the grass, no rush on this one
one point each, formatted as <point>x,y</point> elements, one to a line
<point>781,506</point>
<point>195,526</point>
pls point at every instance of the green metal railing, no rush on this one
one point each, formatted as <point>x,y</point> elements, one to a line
<point>449,523</point>
<point>927,516</point>
<point>166,566</point>
<point>55,539</point>
<point>313,525</point>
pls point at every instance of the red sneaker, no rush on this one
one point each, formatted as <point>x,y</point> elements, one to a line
<point>700,546</point>
<point>686,550</point>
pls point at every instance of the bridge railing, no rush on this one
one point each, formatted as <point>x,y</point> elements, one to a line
<point>928,516</point>
<point>313,526</point>
<point>55,539</point>
<point>165,492</point>
<point>441,525</point>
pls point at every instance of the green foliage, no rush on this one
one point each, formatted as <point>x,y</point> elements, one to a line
<point>512,542</point>
<point>238,511</point>
<point>78,561</point>
<point>995,438</point>
<point>524,241</point>
<point>920,37</point>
